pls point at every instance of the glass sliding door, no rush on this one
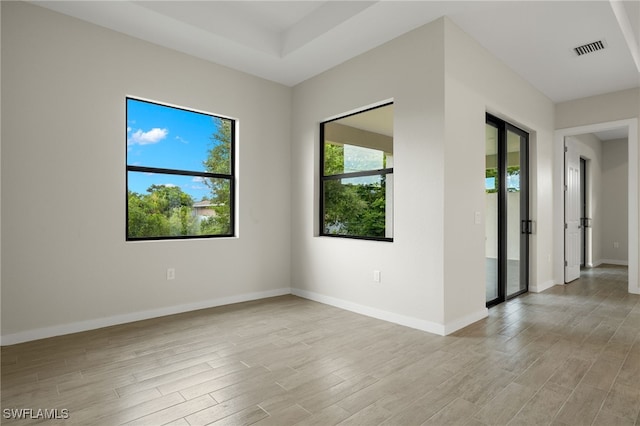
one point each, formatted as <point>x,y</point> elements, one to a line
<point>491,214</point>
<point>517,212</point>
<point>507,225</point>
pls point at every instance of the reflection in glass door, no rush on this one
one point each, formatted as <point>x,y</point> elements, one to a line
<point>491,215</point>
<point>507,220</point>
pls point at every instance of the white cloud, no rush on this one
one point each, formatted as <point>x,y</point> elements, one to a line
<point>181,140</point>
<point>199,183</point>
<point>154,135</point>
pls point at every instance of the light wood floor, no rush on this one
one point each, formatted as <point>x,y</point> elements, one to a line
<point>568,356</point>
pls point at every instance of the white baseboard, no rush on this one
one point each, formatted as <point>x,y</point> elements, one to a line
<point>541,287</point>
<point>612,262</point>
<point>428,326</point>
<point>453,326</point>
<point>93,324</point>
<point>412,322</point>
<point>59,330</point>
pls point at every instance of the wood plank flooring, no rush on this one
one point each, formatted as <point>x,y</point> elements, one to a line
<point>568,356</point>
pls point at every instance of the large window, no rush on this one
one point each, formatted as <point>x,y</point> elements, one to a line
<point>356,184</point>
<point>180,173</point>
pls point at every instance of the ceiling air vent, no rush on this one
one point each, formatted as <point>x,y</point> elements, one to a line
<point>589,48</point>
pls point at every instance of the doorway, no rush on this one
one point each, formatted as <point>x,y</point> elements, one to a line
<point>507,223</point>
<point>603,179</point>
<point>631,128</point>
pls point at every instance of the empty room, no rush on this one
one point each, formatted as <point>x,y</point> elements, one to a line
<point>320,212</point>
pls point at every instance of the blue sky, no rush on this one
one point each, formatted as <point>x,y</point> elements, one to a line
<point>171,138</point>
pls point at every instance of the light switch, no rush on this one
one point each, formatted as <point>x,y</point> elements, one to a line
<point>477,218</point>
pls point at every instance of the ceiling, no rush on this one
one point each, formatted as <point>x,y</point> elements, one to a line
<point>291,41</point>
<point>377,120</point>
<point>612,134</point>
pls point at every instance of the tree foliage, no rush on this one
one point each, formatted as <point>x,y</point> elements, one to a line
<point>219,161</point>
<point>167,211</point>
<point>162,211</point>
<point>352,206</point>
<point>333,159</point>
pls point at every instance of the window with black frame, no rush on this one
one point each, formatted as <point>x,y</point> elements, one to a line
<point>180,173</point>
<point>356,185</point>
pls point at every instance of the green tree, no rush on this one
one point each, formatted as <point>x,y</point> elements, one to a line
<point>144,219</point>
<point>371,220</point>
<point>333,159</point>
<point>162,211</point>
<point>167,197</point>
<point>219,161</point>
<point>351,208</point>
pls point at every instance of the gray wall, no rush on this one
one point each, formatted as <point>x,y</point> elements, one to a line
<point>65,262</point>
<point>615,169</point>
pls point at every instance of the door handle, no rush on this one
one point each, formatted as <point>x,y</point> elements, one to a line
<point>526,227</point>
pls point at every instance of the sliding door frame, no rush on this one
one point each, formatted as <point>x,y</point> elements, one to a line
<point>524,219</point>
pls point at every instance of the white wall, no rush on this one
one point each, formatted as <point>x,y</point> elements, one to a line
<point>615,183</point>
<point>476,82</point>
<point>433,272</point>
<point>65,263</point>
<point>408,70</point>
<point>598,109</point>
<point>63,154</point>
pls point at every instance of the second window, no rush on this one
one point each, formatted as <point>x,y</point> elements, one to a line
<point>356,182</point>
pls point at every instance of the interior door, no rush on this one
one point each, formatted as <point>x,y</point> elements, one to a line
<point>572,225</point>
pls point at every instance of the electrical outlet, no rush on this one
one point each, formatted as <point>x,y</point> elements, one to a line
<point>171,274</point>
